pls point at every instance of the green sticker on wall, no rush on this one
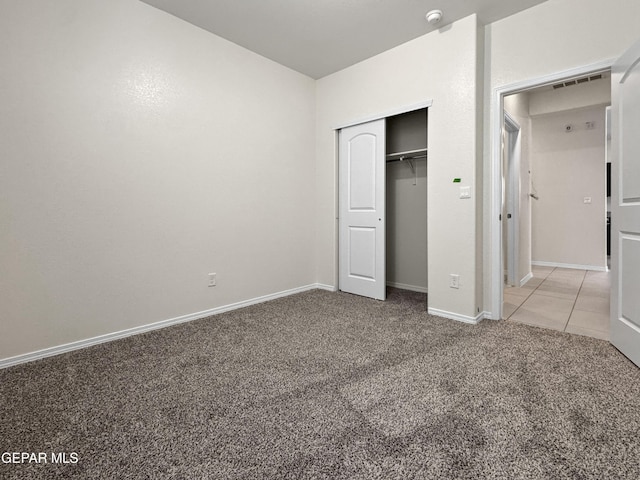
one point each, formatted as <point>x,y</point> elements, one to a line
<point>456,180</point>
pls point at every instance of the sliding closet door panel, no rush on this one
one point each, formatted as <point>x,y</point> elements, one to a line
<point>362,209</point>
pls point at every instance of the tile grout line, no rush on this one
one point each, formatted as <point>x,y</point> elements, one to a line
<point>529,296</point>
<point>575,301</point>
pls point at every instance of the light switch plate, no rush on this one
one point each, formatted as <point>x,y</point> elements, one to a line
<point>465,192</point>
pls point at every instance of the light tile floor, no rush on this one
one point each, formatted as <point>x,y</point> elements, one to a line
<point>574,301</point>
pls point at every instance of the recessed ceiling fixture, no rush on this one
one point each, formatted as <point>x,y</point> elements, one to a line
<point>434,16</point>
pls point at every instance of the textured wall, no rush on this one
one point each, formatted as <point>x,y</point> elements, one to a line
<point>566,168</point>
<point>139,153</point>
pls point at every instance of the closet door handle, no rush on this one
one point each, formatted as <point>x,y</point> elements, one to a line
<point>508,215</point>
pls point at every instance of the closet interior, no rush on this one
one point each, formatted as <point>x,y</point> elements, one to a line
<point>406,200</point>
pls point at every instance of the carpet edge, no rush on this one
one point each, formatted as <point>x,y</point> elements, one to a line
<point>109,337</point>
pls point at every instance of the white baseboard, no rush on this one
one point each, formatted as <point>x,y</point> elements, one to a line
<point>526,278</point>
<point>328,288</point>
<point>68,347</point>
<point>570,265</point>
<point>456,316</point>
<point>404,286</point>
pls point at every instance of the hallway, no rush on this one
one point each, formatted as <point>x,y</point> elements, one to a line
<point>573,301</point>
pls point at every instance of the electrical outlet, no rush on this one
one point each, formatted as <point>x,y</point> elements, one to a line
<point>454,281</point>
<point>212,279</point>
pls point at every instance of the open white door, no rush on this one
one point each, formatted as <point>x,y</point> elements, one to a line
<point>362,209</point>
<point>625,204</point>
<point>512,200</point>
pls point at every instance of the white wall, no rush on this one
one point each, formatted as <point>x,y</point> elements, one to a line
<point>518,107</point>
<point>566,168</point>
<point>140,153</point>
<point>554,36</point>
<point>440,66</point>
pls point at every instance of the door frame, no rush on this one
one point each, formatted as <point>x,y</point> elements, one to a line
<point>336,166</point>
<point>496,127</point>
<point>512,148</point>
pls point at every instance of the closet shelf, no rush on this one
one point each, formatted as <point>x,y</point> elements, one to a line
<point>408,155</point>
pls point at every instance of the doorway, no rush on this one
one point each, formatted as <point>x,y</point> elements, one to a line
<point>560,185</point>
<point>498,245</point>
<point>406,201</point>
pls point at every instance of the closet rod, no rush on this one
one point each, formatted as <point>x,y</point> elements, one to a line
<point>409,154</point>
<point>408,157</point>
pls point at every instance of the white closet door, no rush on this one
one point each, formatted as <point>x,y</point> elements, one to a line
<point>362,210</point>
<point>625,204</point>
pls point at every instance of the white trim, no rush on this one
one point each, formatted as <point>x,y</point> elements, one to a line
<point>328,288</point>
<point>569,265</point>
<point>404,286</point>
<point>526,278</point>
<point>68,347</point>
<point>388,113</point>
<point>496,120</point>
<point>456,316</point>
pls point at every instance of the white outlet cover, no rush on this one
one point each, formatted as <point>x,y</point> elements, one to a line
<point>587,199</point>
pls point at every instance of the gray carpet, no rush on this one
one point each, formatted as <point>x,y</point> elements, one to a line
<point>325,385</point>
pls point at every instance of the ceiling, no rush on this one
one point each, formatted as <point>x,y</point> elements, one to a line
<point>319,37</point>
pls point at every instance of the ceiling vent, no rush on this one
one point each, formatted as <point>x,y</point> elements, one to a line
<point>577,81</point>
